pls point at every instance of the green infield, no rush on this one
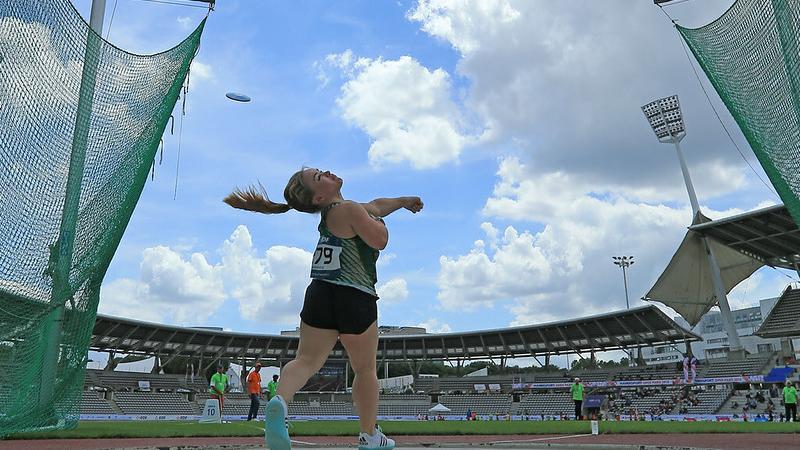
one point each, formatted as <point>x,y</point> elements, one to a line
<point>91,429</point>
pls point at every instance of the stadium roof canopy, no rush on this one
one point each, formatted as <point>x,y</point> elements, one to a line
<point>627,329</point>
<point>769,235</point>
<point>741,244</point>
<point>784,318</point>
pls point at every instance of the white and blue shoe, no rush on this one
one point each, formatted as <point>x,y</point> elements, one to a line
<point>378,441</point>
<point>276,425</point>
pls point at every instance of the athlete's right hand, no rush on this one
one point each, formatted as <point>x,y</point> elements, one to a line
<point>413,204</point>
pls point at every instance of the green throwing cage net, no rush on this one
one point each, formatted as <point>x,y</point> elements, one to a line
<point>751,54</point>
<point>80,123</point>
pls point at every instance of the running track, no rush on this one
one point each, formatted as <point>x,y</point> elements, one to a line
<point>705,441</point>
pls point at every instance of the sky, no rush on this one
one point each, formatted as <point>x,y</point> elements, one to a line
<point>518,123</point>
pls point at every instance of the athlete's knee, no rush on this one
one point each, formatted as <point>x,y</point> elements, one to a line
<point>310,363</point>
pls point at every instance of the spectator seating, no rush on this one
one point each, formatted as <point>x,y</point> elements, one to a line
<point>547,403</point>
<point>785,315</point>
<point>642,401</point>
<point>92,403</point>
<point>404,404</point>
<point>405,398</point>
<point>752,365</point>
<point>655,372</point>
<point>318,408</point>
<point>462,384</point>
<point>426,384</point>
<point>479,403</point>
<point>323,384</point>
<point>130,380</point>
<point>198,385</point>
<point>590,375</point>
<point>554,378</point>
<point>153,403</point>
<point>736,402</point>
<point>710,401</point>
<point>403,410</point>
<point>125,399</point>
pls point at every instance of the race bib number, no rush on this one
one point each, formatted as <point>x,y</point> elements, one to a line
<point>325,264</point>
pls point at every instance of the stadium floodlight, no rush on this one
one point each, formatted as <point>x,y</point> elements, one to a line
<point>666,120</point>
<point>624,262</point>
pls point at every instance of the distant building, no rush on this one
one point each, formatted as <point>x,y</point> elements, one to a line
<point>715,339</point>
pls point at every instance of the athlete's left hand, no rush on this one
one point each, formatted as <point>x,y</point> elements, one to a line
<point>413,204</point>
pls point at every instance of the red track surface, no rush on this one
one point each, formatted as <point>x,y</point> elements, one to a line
<point>720,441</point>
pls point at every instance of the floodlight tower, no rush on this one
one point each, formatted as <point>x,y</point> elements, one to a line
<point>666,119</point>
<point>624,262</point>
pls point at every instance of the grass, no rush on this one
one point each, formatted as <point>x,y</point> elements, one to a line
<point>91,429</point>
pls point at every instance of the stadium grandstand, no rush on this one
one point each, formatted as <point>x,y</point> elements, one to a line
<point>623,330</point>
<point>720,385</point>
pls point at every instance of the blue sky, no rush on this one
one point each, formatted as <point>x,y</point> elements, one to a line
<point>518,123</point>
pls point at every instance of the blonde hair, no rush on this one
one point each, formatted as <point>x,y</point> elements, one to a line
<point>254,198</point>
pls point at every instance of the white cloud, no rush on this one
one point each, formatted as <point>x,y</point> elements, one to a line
<point>405,108</point>
<point>385,259</point>
<point>478,279</point>
<point>185,22</point>
<point>433,326</point>
<point>565,269</point>
<point>344,61</point>
<point>268,288</point>
<point>464,23</point>
<point>201,71</point>
<point>564,85</point>
<point>393,291</point>
<point>188,290</point>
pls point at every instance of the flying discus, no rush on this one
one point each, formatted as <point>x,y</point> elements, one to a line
<point>237,97</point>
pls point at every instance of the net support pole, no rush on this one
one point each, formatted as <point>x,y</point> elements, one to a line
<point>716,276</point>
<point>61,259</point>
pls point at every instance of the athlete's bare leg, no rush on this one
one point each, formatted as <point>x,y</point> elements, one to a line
<point>312,351</point>
<point>361,350</point>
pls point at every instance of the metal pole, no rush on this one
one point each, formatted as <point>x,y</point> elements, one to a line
<point>625,280</point>
<point>97,15</point>
<point>346,375</point>
<point>722,299</point>
<point>687,179</point>
<point>61,261</point>
<point>716,277</point>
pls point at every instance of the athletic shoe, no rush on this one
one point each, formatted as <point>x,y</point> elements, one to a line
<point>276,425</point>
<point>378,441</point>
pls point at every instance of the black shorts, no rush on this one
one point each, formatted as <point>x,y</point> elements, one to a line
<point>336,307</point>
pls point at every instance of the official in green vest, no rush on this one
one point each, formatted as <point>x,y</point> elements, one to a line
<point>577,397</point>
<point>272,387</point>
<point>790,401</point>
<point>218,385</point>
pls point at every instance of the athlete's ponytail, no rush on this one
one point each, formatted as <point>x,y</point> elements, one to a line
<point>255,198</point>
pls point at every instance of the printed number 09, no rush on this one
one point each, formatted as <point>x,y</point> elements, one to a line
<point>326,252</point>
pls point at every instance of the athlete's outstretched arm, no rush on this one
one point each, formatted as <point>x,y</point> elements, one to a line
<point>382,207</point>
<point>372,231</point>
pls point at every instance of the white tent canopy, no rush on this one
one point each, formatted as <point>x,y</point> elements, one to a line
<point>686,285</point>
<point>439,408</point>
